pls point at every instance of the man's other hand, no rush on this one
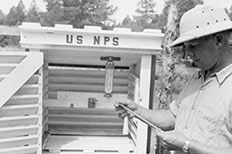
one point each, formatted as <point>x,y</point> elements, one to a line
<point>172,140</point>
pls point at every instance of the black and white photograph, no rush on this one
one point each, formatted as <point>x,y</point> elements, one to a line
<point>115,77</point>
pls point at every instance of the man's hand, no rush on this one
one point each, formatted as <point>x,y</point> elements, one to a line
<point>172,140</point>
<point>122,112</point>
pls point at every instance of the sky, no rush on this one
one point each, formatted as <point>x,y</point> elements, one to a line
<point>125,7</point>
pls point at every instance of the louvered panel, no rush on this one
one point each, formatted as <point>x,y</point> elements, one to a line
<point>133,94</point>
<point>6,68</point>
<point>11,58</point>
<point>52,94</point>
<point>133,131</point>
<point>18,121</point>
<point>33,80</point>
<point>45,80</point>
<point>84,125</point>
<point>45,124</point>
<point>20,150</point>
<point>85,88</point>
<point>81,111</point>
<point>130,94</point>
<point>133,87</point>
<point>9,132</point>
<point>17,72</point>
<point>45,119</point>
<point>90,144</point>
<point>45,91</point>
<point>18,110</point>
<point>84,80</point>
<point>84,121</point>
<point>22,100</point>
<point>83,73</point>
<point>28,89</point>
<point>18,141</point>
<point>20,117</point>
<point>81,99</point>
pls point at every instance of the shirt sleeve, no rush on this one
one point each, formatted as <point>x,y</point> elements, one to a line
<point>229,118</point>
<point>174,108</point>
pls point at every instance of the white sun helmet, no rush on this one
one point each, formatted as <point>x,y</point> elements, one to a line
<point>201,21</point>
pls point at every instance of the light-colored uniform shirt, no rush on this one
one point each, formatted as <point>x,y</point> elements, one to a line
<point>203,110</point>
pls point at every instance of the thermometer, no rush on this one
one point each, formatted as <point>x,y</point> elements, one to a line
<point>109,76</point>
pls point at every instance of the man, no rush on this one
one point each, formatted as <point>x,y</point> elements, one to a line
<point>200,120</point>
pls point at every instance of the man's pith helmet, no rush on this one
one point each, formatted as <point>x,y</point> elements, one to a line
<point>201,21</point>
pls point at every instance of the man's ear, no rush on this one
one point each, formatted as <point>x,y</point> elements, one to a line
<point>220,39</point>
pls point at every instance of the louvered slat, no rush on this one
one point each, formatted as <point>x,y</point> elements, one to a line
<point>20,150</point>
<point>18,110</point>
<point>104,144</point>
<point>7,68</point>
<point>18,141</point>
<point>23,99</point>
<point>18,121</point>
<point>28,89</point>
<point>33,80</point>
<point>9,132</point>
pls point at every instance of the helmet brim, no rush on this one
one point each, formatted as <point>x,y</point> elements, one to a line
<point>201,32</point>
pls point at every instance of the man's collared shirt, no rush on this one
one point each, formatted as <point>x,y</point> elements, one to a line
<point>203,110</point>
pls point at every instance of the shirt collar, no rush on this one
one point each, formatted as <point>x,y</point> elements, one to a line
<point>223,74</point>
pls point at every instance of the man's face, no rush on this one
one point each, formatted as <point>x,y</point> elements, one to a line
<point>203,52</point>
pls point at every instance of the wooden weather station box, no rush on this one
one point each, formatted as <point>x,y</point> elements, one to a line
<point>58,92</point>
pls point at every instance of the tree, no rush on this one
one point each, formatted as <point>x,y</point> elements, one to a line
<point>170,56</point>
<point>146,14</point>
<point>12,41</point>
<point>129,23</point>
<point>54,13</point>
<point>78,12</point>
<point>2,17</point>
<point>146,17</point>
<point>161,20</point>
<point>16,15</point>
<point>33,13</point>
